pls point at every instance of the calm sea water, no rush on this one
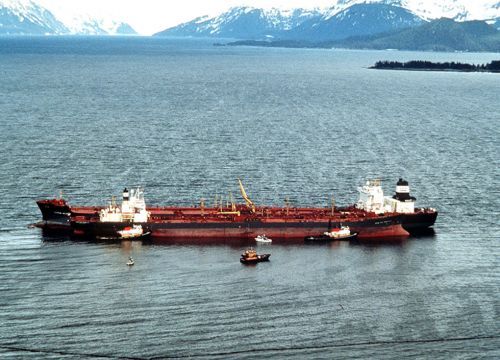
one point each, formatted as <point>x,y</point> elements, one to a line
<point>89,116</point>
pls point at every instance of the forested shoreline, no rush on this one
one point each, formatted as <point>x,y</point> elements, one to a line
<point>422,65</point>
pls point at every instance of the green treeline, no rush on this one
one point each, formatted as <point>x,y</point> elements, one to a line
<point>493,66</point>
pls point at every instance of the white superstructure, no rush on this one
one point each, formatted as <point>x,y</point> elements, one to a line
<point>371,198</point>
<point>132,209</point>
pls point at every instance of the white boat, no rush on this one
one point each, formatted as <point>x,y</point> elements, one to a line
<point>131,232</point>
<point>263,239</point>
<point>338,233</point>
<point>130,261</point>
<point>341,233</point>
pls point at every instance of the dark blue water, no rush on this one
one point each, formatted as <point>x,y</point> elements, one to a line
<point>185,120</point>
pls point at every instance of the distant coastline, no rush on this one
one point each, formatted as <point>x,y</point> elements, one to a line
<point>419,65</point>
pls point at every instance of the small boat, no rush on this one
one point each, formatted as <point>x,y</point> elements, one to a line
<point>250,256</point>
<point>342,233</point>
<point>128,233</point>
<point>130,261</point>
<point>134,232</point>
<point>263,239</point>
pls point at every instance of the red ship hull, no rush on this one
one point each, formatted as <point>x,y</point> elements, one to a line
<point>278,230</point>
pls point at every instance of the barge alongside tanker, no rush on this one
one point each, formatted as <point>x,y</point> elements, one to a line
<point>223,223</point>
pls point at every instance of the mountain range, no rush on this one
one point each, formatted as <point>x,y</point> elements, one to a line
<point>436,35</point>
<point>27,17</point>
<point>345,19</point>
<point>363,22</point>
<point>356,20</point>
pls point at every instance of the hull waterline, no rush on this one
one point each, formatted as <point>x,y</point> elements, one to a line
<point>280,231</point>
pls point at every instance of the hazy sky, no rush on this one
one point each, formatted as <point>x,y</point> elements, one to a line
<point>148,16</point>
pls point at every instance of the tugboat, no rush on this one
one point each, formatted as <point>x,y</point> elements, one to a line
<point>132,233</point>
<point>340,233</point>
<point>250,256</point>
<point>263,239</point>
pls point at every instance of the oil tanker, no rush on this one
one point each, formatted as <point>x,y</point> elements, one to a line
<point>218,222</point>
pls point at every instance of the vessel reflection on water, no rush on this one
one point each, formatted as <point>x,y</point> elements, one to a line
<point>225,223</point>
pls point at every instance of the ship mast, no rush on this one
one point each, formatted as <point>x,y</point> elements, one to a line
<point>249,202</point>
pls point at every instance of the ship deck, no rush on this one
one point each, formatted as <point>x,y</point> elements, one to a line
<point>238,214</point>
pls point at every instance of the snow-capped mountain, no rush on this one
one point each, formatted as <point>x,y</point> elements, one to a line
<point>247,22</point>
<point>356,20</point>
<point>29,17</point>
<point>86,24</point>
<point>344,18</point>
<point>459,10</point>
